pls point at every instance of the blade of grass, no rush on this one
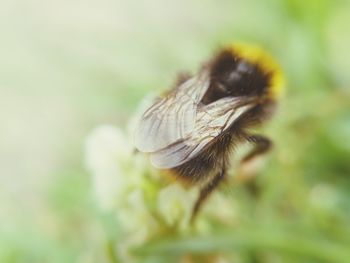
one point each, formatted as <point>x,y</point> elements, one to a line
<point>291,243</point>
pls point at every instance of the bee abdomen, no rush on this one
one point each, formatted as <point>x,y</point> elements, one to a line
<point>207,163</point>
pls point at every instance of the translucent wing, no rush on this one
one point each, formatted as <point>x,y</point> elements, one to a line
<point>173,117</point>
<point>211,121</point>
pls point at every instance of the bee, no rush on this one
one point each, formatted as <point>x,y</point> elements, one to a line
<point>192,129</point>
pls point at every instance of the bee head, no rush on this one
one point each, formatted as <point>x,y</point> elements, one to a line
<point>244,70</point>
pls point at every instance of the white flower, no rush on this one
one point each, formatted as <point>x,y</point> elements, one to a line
<point>136,215</point>
<point>175,204</point>
<point>107,150</point>
<point>222,207</point>
<point>137,222</point>
<point>106,145</point>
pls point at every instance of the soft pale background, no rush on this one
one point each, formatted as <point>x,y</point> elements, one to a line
<point>68,66</point>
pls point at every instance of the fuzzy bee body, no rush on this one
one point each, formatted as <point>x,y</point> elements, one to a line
<point>192,130</point>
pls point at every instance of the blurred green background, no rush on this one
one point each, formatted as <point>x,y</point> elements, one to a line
<point>69,66</point>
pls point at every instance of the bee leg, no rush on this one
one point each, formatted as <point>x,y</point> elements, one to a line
<point>206,191</point>
<point>262,145</point>
<point>250,164</point>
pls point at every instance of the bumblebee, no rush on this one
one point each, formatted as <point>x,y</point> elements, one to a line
<point>192,129</point>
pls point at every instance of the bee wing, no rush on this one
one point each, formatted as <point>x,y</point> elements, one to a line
<point>173,117</point>
<point>211,121</point>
